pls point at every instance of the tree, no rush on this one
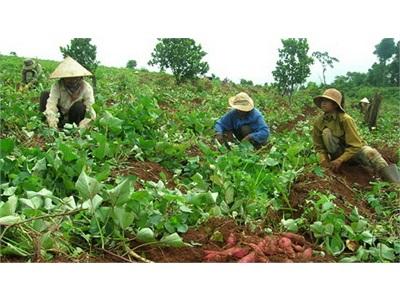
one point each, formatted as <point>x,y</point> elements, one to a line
<point>293,66</point>
<point>246,82</point>
<point>325,60</point>
<point>131,64</point>
<point>83,52</point>
<point>377,75</point>
<point>385,49</point>
<point>182,56</point>
<point>394,68</point>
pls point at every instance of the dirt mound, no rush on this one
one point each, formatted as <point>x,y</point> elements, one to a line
<point>307,111</point>
<point>193,151</point>
<point>35,141</point>
<point>390,154</point>
<point>148,171</point>
<point>342,185</point>
<point>212,236</point>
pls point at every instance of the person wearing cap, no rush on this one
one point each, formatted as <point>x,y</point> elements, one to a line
<point>364,104</point>
<point>31,72</point>
<point>71,98</point>
<point>337,140</point>
<point>244,122</point>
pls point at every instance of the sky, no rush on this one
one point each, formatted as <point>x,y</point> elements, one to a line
<point>241,38</point>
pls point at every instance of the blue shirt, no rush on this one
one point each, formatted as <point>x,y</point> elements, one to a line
<point>231,122</point>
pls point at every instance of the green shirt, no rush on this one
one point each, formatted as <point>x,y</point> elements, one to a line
<point>341,126</point>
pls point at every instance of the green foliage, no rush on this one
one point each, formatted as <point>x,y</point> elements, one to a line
<point>182,56</point>
<point>385,49</point>
<point>293,66</point>
<point>246,82</point>
<point>131,64</point>
<point>83,52</point>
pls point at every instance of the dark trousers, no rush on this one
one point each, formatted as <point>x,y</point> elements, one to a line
<point>241,133</point>
<point>75,114</point>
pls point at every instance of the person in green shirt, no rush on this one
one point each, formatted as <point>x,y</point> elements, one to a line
<point>336,139</point>
<point>31,72</point>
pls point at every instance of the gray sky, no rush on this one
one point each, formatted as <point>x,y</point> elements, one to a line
<point>241,37</point>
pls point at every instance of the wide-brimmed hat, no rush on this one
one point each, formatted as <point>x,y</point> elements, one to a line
<point>330,94</point>
<point>364,100</point>
<point>69,68</point>
<point>242,102</point>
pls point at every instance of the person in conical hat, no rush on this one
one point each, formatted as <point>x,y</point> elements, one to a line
<point>71,98</point>
<point>336,138</point>
<point>363,105</point>
<point>244,121</point>
<point>31,72</point>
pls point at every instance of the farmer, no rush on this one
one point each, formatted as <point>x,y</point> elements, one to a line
<point>31,72</point>
<point>336,139</point>
<point>71,98</point>
<point>363,105</point>
<point>244,122</point>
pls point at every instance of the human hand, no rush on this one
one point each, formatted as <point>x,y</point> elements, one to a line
<point>335,165</point>
<point>85,123</point>
<point>219,137</point>
<point>247,138</point>
<point>325,163</point>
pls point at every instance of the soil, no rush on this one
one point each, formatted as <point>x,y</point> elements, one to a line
<point>390,154</point>
<point>111,102</point>
<point>35,141</point>
<point>148,171</point>
<point>196,101</point>
<point>201,240</point>
<point>343,185</point>
<point>194,151</point>
<point>306,113</point>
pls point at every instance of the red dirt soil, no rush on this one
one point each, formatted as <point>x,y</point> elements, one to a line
<point>341,185</point>
<point>307,111</point>
<point>148,171</point>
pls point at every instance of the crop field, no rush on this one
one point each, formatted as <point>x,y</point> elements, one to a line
<point>148,182</point>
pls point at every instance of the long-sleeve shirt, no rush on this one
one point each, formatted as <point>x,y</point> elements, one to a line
<point>31,74</point>
<point>343,127</point>
<point>231,122</point>
<point>61,99</point>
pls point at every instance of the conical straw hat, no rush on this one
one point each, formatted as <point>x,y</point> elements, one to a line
<point>69,68</point>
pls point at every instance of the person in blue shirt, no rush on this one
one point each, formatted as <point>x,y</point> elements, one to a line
<point>244,122</point>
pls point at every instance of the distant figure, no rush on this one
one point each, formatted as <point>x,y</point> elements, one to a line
<point>31,72</point>
<point>337,140</point>
<point>71,98</point>
<point>244,122</point>
<point>363,105</point>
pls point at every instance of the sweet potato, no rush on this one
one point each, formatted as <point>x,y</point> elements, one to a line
<point>215,256</point>
<point>268,246</point>
<point>240,252</point>
<point>249,258</point>
<point>295,238</point>
<point>236,252</point>
<point>307,254</point>
<point>232,240</point>
<point>285,246</point>
<point>298,248</point>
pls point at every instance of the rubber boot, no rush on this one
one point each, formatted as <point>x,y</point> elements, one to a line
<point>390,174</point>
